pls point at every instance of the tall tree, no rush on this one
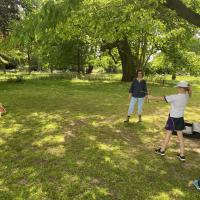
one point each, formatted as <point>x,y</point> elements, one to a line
<point>8,11</point>
<point>136,28</point>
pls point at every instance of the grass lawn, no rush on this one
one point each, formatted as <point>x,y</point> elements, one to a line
<point>66,140</point>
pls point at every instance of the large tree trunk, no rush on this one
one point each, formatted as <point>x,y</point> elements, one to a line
<point>128,65</point>
<point>128,62</point>
<point>183,11</point>
<point>79,61</point>
<point>51,70</point>
<point>29,60</point>
<point>4,69</point>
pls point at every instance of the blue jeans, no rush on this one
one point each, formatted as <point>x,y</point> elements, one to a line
<point>132,105</point>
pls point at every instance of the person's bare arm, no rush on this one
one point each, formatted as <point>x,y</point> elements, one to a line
<point>129,96</point>
<point>158,98</point>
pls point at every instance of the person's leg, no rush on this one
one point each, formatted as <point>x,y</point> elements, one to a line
<point>131,108</point>
<point>181,141</point>
<point>161,150</point>
<point>166,140</point>
<point>140,106</point>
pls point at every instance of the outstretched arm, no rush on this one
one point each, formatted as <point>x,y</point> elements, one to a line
<point>131,91</point>
<point>129,96</point>
<point>150,97</point>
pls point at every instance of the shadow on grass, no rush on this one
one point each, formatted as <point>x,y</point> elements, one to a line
<point>57,144</point>
<point>105,163</point>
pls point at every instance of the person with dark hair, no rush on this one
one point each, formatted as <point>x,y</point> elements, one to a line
<point>137,93</point>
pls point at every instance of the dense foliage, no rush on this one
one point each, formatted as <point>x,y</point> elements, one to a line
<point>115,35</point>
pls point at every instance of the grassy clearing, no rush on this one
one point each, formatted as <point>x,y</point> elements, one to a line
<point>65,140</point>
<point>22,76</point>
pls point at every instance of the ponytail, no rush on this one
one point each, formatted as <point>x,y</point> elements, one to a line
<point>189,90</point>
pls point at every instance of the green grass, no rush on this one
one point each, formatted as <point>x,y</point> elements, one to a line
<point>65,140</point>
<point>23,76</point>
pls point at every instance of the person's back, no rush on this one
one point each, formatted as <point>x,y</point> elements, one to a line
<point>178,103</point>
<point>175,121</point>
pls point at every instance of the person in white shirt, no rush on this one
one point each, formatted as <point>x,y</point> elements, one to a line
<point>175,121</point>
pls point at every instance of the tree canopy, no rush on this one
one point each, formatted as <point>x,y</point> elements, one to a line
<point>79,31</point>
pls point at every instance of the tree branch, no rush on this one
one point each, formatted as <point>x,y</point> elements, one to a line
<point>107,45</point>
<point>183,11</point>
<point>110,53</point>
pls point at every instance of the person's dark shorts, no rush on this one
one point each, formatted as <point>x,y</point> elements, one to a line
<point>175,124</point>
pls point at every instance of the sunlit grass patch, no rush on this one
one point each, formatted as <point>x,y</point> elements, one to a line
<point>67,140</point>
